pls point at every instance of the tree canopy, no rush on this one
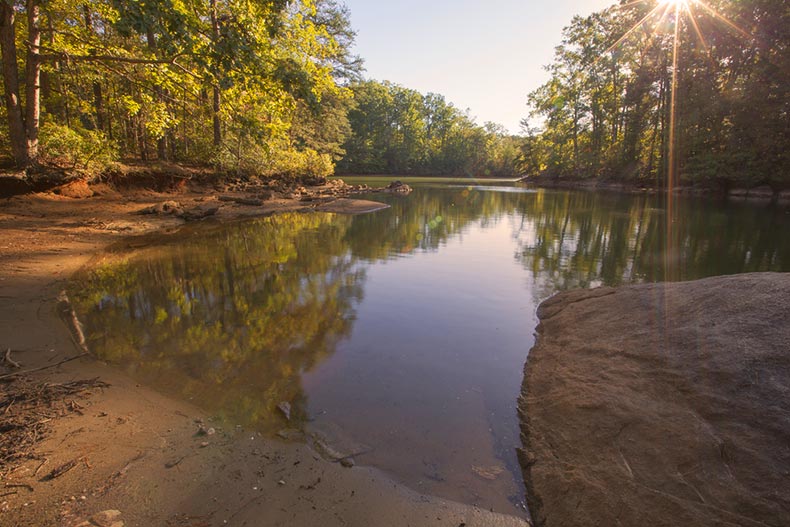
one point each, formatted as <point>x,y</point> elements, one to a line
<point>605,111</point>
<point>396,130</point>
<point>242,84</point>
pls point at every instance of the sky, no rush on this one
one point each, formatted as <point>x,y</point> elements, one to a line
<point>484,55</point>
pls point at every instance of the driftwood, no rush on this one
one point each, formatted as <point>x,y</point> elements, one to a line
<point>70,317</point>
<point>253,202</point>
<point>197,213</point>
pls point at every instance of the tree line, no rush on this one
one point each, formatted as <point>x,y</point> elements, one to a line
<point>268,87</point>
<point>397,130</point>
<point>240,84</point>
<point>605,112</point>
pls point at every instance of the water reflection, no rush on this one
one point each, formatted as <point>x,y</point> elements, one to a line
<point>424,368</point>
<point>582,239</point>
<point>230,316</point>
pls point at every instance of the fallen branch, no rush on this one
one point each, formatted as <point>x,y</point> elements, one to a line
<point>253,202</point>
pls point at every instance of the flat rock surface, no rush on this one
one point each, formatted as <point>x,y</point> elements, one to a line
<point>661,404</point>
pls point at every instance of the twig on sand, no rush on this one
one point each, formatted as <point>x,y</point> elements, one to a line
<point>19,486</point>
<point>23,372</point>
<point>355,454</point>
<point>62,469</point>
<point>46,460</point>
<point>9,360</point>
<point>29,406</point>
<point>175,462</point>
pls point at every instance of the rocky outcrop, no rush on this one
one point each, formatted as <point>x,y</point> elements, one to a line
<point>661,405</point>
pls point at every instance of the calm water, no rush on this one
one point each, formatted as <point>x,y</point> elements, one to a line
<point>402,334</point>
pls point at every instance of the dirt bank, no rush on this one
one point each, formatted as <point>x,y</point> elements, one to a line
<point>127,448</point>
<point>661,405</point>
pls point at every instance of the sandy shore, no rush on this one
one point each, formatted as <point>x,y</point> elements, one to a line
<point>662,405</point>
<point>136,451</point>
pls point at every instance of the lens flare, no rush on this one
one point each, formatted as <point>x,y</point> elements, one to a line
<point>680,12</point>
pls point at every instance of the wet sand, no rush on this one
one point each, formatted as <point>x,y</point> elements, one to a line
<point>137,451</point>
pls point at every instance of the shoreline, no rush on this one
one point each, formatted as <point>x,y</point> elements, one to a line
<point>664,401</point>
<point>137,451</point>
<point>761,193</point>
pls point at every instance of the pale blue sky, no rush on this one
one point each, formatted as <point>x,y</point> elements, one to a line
<point>485,55</point>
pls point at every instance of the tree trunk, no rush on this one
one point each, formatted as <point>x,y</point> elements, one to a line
<point>215,86</point>
<point>161,143</point>
<point>16,127</point>
<point>217,122</point>
<point>33,80</point>
<point>98,104</point>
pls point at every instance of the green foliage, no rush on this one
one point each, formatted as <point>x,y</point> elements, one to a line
<point>251,159</point>
<point>87,151</point>
<point>146,75</point>
<point>400,131</point>
<point>605,112</point>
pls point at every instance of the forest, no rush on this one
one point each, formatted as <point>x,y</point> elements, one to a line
<point>273,88</point>
<point>264,87</point>
<point>605,112</point>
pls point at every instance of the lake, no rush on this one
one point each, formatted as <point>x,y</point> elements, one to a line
<point>400,336</point>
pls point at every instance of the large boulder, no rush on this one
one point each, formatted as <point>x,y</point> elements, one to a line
<point>661,405</point>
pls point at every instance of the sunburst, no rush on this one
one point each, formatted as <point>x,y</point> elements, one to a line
<point>679,11</point>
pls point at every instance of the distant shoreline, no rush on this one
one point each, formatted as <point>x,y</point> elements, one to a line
<point>757,193</point>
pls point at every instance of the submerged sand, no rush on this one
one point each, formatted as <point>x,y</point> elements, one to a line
<point>137,451</point>
<point>661,404</point>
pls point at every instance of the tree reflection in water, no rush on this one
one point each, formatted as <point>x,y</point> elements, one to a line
<point>230,315</point>
<point>235,316</point>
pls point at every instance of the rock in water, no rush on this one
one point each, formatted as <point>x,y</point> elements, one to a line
<point>398,187</point>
